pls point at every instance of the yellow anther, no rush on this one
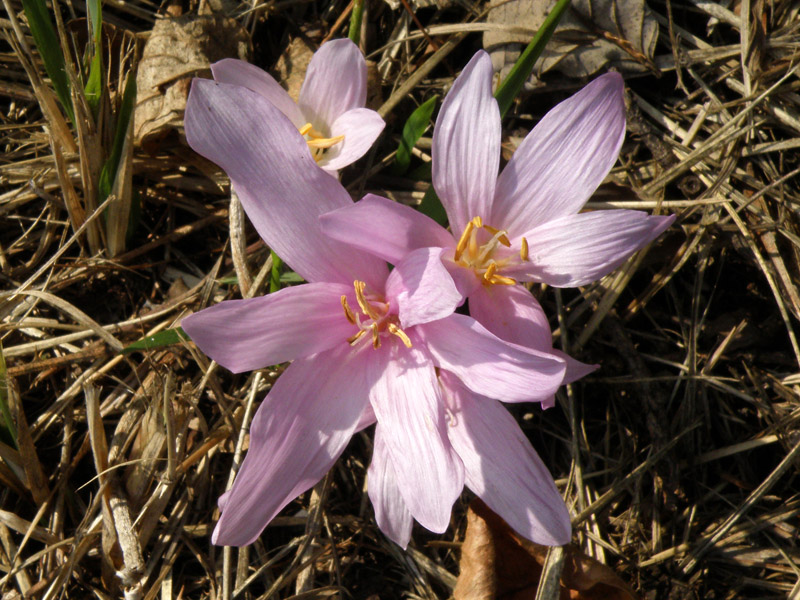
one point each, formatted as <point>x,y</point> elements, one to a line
<point>324,143</point>
<point>464,239</point>
<point>366,307</point>
<point>499,235</point>
<point>347,312</point>
<point>523,249</point>
<point>305,129</point>
<point>395,330</point>
<point>490,273</point>
<point>353,339</point>
<point>376,340</point>
<point>502,280</point>
<point>477,222</point>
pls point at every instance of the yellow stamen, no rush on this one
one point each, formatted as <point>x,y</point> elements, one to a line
<point>366,307</point>
<point>490,272</point>
<point>502,238</point>
<point>347,312</point>
<point>324,143</point>
<point>395,330</point>
<point>477,222</point>
<point>502,280</point>
<point>305,129</point>
<point>376,341</point>
<point>462,241</point>
<point>352,340</point>
<point>523,250</point>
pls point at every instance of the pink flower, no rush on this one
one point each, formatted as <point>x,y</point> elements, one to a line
<point>366,346</point>
<point>330,112</point>
<point>524,225</point>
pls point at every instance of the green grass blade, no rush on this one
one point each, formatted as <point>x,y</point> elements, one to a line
<point>415,126</point>
<point>94,82</point>
<point>432,206</point>
<point>522,69</point>
<point>7,432</point>
<point>125,114</point>
<point>355,21</point>
<point>46,39</point>
<point>275,274</point>
<point>168,337</point>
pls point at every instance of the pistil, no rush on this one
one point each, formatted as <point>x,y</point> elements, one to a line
<point>378,320</point>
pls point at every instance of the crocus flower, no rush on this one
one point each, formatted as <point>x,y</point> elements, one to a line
<point>524,225</point>
<point>330,111</point>
<point>366,346</point>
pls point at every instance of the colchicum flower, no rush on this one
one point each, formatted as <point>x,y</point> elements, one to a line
<point>523,225</point>
<point>330,111</point>
<point>366,345</point>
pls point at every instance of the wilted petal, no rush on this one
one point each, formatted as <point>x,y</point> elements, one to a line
<point>502,467</point>
<point>336,81</point>
<point>488,365</point>
<point>243,335</point>
<point>239,72</point>
<point>422,288</point>
<point>391,512</point>
<point>298,432</point>
<point>579,249</point>
<point>280,186</point>
<point>360,128</point>
<point>466,145</point>
<point>407,401</point>
<point>563,159</point>
<point>384,228</point>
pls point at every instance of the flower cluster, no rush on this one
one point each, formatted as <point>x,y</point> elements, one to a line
<point>370,345</point>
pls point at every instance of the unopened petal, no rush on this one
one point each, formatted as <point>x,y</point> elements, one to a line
<point>391,512</point>
<point>239,72</point>
<point>298,432</point>
<point>385,228</point>
<point>488,365</point>
<point>243,335</point>
<point>280,186</point>
<point>579,249</point>
<point>336,81</point>
<point>502,467</point>
<point>360,128</point>
<point>466,145</point>
<point>563,159</point>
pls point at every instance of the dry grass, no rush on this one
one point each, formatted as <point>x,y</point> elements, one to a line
<point>678,458</point>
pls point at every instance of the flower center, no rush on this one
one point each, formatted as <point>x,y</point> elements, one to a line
<point>317,142</point>
<point>476,250</point>
<point>374,318</point>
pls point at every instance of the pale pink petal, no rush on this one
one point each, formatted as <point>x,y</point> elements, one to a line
<point>385,228</point>
<point>422,288</point>
<point>466,145</point>
<point>502,467</point>
<point>579,249</point>
<point>243,335</point>
<point>298,432</point>
<point>407,401</point>
<point>575,368</point>
<point>563,159</point>
<point>239,72</point>
<point>367,418</point>
<point>488,365</point>
<point>336,81</point>
<point>391,513</point>
<point>280,186</point>
<point>513,314</point>
<point>360,128</point>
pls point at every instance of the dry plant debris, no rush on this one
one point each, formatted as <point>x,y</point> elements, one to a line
<point>678,458</point>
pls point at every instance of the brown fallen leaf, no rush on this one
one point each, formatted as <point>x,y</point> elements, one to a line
<point>498,564</point>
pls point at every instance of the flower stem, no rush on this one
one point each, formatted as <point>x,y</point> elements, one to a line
<point>355,21</point>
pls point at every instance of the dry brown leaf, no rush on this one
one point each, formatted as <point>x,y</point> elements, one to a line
<point>592,35</point>
<point>178,50</point>
<point>498,564</point>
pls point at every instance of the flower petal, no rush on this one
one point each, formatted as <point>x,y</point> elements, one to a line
<point>360,128</point>
<point>385,228</point>
<point>563,159</point>
<point>336,81</point>
<point>391,512</point>
<point>502,467</point>
<point>298,432</point>
<point>579,249</point>
<point>466,145</point>
<point>239,72</point>
<point>513,314</point>
<point>422,287</point>
<point>488,365</point>
<point>407,401</point>
<point>243,335</point>
<point>279,184</point>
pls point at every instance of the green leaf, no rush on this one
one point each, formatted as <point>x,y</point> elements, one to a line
<point>7,431</point>
<point>422,173</point>
<point>275,274</point>
<point>94,83</point>
<point>109,171</point>
<point>522,69</point>
<point>355,21</point>
<point>168,337</point>
<point>416,125</point>
<point>291,277</point>
<point>46,39</point>
<point>432,206</point>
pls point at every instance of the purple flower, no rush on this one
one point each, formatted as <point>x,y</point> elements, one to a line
<point>330,112</point>
<point>366,346</point>
<point>523,225</point>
